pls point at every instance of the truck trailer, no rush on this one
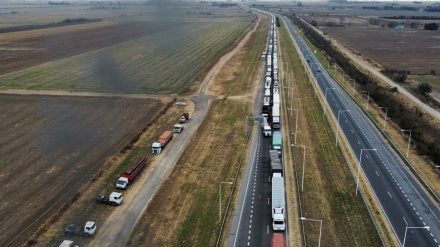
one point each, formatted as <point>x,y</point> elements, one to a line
<point>278,240</point>
<point>276,116</point>
<point>162,142</point>
<point>278,203</point>
<point>130,175</point>
<point>277,141</point>
<point>275,162</point>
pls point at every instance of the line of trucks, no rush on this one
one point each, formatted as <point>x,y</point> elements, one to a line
<point>125,179</point>
<point>271,126</point>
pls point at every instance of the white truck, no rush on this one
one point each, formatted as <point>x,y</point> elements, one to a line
<point>267,130</point>
<point>114,199</point>
<point>278,203</point>
<point>268,83</point>
<point>178,128</point>
<point>276,96</point>
<point>276,116</point>
<point>68,243</point>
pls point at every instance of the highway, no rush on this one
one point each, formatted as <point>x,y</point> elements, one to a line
<point>406,205</point>
<point>252,219</point>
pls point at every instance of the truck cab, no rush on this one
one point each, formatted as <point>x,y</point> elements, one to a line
<point>122,183</point>
<point>116,198</point>
<point>89,229</point>
<point>279,223</point>
<point>178,128</point>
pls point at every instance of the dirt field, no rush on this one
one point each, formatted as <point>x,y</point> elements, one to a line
<point>22,50</point>
<point>46,137</point>
<point>414,50</point>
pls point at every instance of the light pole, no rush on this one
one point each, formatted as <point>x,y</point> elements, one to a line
<point>359,171</point>
<point>325,98</point>
<point>320,228</point>
<point>354,84</point>
<point>220,198</point>
<point>386,115</point>
<point>368,99</point>
<point>337,127</point>
<point>406,229</point>
<point>296,121</point>
<point>304,162</point>
<point>409,141</point>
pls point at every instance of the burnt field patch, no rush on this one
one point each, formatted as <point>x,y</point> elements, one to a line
<point>52,145</point>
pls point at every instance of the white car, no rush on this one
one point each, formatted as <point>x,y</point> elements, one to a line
<point>181,103</point>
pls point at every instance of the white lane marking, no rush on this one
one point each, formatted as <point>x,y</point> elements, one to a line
<point>405,220</point>
<point>377,173</point>
<point>267,231</point>
<point>389,194</point>
<point>268,202</point>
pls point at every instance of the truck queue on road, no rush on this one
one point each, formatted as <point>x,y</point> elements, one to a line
<point>271,127</point>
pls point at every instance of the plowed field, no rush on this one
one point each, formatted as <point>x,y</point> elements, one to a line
<point>31,48</point>
<point>43,138</point>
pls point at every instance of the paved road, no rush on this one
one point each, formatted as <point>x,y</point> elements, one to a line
<point>402,199</point>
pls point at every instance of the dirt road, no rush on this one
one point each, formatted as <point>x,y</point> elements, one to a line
<point>117,228</point>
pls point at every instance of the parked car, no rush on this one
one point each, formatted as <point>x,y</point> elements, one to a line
<point>181,103</point>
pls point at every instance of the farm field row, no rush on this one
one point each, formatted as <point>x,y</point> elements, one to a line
<point>163,63</point>
<point>44,138</point>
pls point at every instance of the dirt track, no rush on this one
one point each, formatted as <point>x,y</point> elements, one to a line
<point>120,223</point>
<point>46,137</point>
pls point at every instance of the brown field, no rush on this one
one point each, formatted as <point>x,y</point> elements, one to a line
<point>414,50</point>
<point>44,138</point>
<point>26,49</point>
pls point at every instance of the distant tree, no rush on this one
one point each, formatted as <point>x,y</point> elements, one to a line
<point>432,72</point>
<point>413,25</point>
<point>424,88</point>
<point>314,23</point>
<point>392,24</point>
<point>431,26</point>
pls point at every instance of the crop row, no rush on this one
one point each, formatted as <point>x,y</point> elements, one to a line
<point>160,63</point>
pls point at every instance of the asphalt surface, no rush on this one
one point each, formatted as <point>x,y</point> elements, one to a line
<point>406,205</point>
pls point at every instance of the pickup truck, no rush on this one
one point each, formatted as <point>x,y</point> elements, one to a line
<point>178,128</point>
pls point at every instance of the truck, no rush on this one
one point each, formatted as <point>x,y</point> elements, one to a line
<point>268,83</point>
<point>129,176</point>
<point>278,203</point>
<point>276,116</point>
<point>278,240</point>
<point>267,130</point>
<point>184,117</point>
<point>275,162</point>
<point>88,230</point>
<point>177,128</point>
<point>115,199</point>
<point>266,106</point>
<point>163,140</point>
<point>267,93</point>
<point>276,141</point>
